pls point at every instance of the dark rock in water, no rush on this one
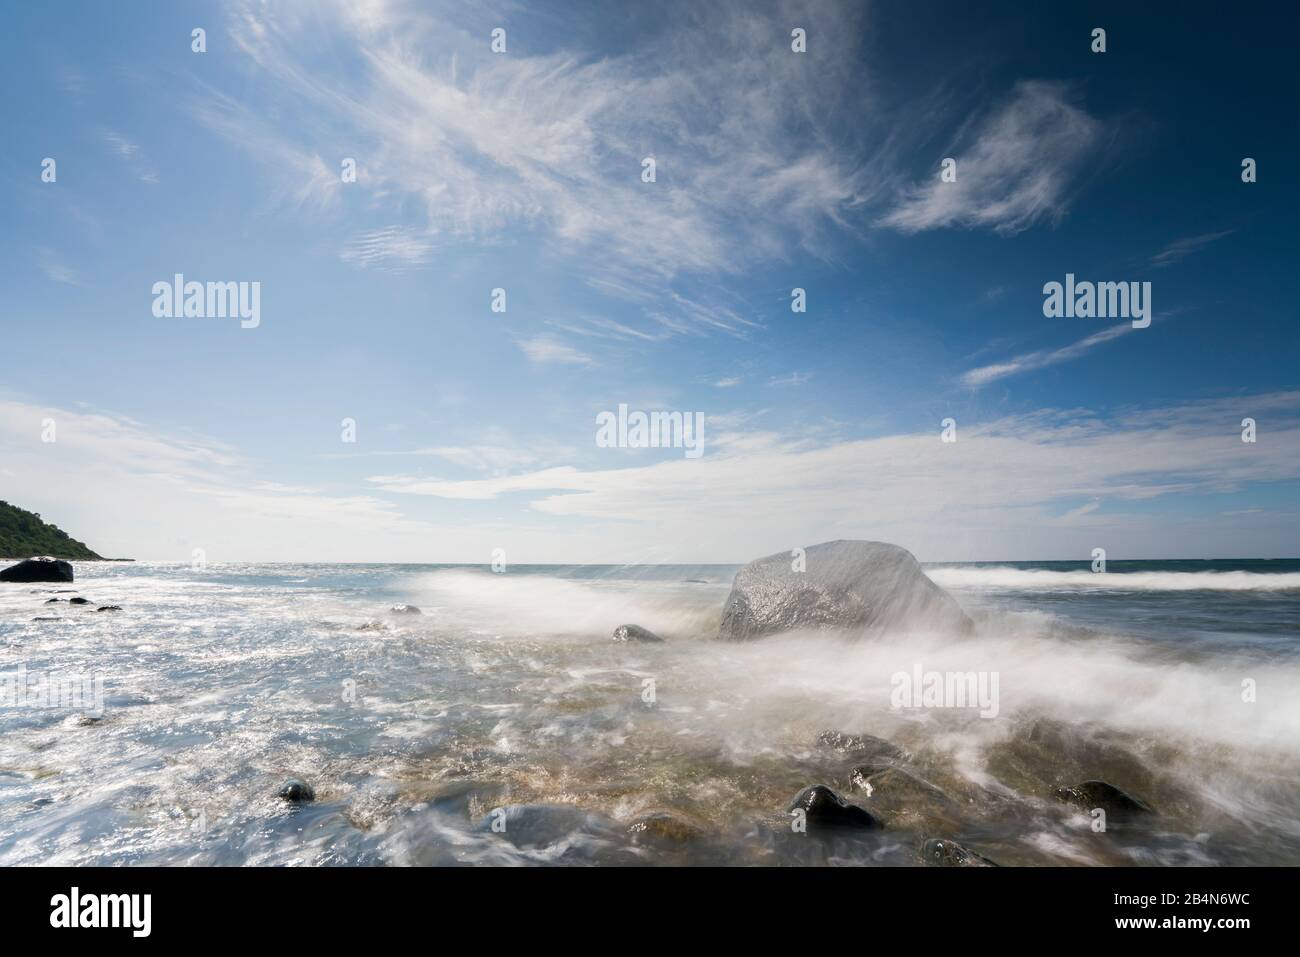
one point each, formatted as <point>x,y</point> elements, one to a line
<point>79,601</point>
<point>296,791</point>
<point>849,585</point>
<point>51,601</point>
<point>47,618</point>
<point>824,808</point>
<point>1092,794</point>
<point>945,853</point>
<point>109,608</point>
<point>38,570</point>
<point>862,745</point>
<point>634,633</point>
<point>406,610</point>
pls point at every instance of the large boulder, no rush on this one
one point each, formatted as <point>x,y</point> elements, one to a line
<point>851,585</point>
<point>38,570</point>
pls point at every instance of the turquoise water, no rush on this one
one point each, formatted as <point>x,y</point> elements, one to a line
<point>507,693</point>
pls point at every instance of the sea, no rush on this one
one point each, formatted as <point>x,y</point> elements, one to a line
<point>502,725</point>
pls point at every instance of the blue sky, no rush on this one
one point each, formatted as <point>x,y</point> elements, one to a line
<point>522,171</point>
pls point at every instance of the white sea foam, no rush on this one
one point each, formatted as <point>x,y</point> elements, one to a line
<point>1035,579</point>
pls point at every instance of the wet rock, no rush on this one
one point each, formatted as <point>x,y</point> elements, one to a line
<point>78,601</point>
<point>405,610</point>
<point>851,585</point>
<point>109,608</point>
<point>824,808</point>
<point>296,791</point>
<point>941,852</point>
<point>862,745</point>
<point>1093,794</point>
<point>38,570</point>
<point>635,633</point>
<point>47,618</point>
<point>51,601</point>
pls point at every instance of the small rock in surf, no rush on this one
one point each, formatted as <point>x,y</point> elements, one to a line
<point>945,853</point>
<point>824,808</point>
<point>634,633</point>
<point>296,791</point>
<point>405,610</point>
<point>109,608</point>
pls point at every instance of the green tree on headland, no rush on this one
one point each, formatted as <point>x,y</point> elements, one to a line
<point>23,534</point>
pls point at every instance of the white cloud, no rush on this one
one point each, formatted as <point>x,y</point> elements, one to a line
<point>130,491</point>
<point>1041,359</point>
<point>991,494</point>
<point>545,349</point>
<point>1015,170</point>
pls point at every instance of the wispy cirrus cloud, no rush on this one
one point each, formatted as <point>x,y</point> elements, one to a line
<point>1042,358</point>
<point>1180,249</point>
<point>1015,168</point>
<point>394,249</point>
<point>54,267</point>
<point>131,154</point>
<point>484,144</point>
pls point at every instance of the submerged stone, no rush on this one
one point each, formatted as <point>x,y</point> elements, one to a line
<point>941,852</point>
<point>861,745</point>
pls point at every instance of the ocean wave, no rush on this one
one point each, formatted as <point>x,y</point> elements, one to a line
<point>1038,579</point>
